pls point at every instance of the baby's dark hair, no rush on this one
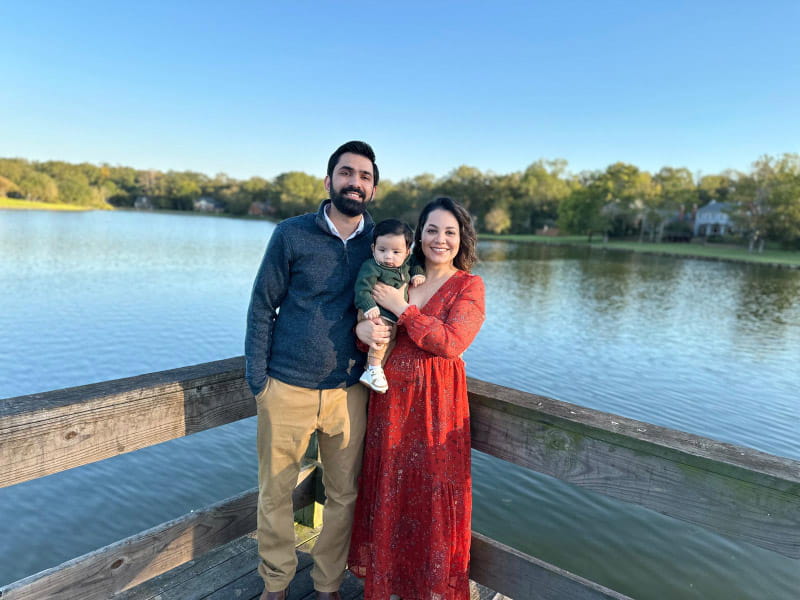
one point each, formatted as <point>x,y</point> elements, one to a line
<point>393,227</point>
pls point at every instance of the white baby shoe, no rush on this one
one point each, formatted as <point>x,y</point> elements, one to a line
<point>374,379</point>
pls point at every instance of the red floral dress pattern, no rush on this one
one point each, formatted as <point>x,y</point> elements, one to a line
<point>412,528</point>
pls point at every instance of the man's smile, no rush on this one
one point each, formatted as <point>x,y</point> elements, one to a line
<point>352,193</point>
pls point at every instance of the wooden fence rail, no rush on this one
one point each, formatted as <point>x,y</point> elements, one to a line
<point>737,491</point>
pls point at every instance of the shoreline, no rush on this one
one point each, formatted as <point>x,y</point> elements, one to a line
<point>782,259</point>
<point>14,204</point>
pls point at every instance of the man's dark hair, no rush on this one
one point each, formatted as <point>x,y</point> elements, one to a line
<point>354,147</point>
<point>393,227</point>
<point>467,255</point>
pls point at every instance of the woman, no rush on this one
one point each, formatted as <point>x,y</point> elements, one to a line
<point>412,534</point>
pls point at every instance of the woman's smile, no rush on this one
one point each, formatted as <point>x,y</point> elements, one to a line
<point>440,237</point>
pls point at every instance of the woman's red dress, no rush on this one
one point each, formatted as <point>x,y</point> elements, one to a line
<point>412,527</point>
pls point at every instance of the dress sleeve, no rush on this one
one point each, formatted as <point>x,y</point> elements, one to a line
<point>449,338</point>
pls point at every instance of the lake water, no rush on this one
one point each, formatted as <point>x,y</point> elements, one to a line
<point>706,347</point>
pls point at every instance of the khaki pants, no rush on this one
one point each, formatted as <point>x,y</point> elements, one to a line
<point>287,415</point>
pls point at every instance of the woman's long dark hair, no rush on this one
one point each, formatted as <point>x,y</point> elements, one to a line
<point>467,255</point>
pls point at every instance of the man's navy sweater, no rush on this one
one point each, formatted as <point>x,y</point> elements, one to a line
<point>309,273</point>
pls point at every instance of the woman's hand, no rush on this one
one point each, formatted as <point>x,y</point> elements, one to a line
<point>390,298</point>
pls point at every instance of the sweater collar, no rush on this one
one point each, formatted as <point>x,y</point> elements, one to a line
<point>324,223</point>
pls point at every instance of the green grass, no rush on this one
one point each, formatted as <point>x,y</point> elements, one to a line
<point>15,204</point>
<point>711,251</point>
<point>539,239</point>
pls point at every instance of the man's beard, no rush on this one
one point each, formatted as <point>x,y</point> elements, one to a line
<point>348,206</point>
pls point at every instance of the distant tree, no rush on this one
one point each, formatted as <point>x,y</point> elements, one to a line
<point>149,182</point>
<point>542,187</point>
<point>8,187</point>
<point>125,178</point>
<point>295,193</point>
<point>210,186</point>
<point>468,186</point>
<point>505,191</point>
<point>181,189</point>
<point>121,185</point>
<point>236,200</point>
<point>38,187</point>
<point>238,197</point>
<point>75,182</point>
<point>258,188</point>
<point>767,201</point>
<point>405,199</point>
<point>716,187</point>
<point>676,192</point>
<point>14,168</point>
<point>582,211</point>
<point>497,220</point>
<point>109,192</point>
<point>58,169</point>
<point>629,196</point>
<point>75,190</point>
<point>749,213</point>
<point>93,174</point>
<point>778,180</point>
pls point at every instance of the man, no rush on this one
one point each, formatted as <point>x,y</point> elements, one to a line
<point>303,366</point>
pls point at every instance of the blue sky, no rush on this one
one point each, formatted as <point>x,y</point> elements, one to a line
<point>261,88</point>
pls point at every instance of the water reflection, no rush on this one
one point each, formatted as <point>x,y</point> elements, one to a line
<point>666,290</point>
<point>768,296</point>
<point>654,338</point>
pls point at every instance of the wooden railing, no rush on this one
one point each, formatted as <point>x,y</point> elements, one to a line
<point>736,491</point>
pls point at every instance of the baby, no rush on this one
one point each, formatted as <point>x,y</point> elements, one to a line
<point>390,264</point>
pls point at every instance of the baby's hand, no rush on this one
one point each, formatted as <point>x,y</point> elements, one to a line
<point>417,280</point>
<point>372,313</point>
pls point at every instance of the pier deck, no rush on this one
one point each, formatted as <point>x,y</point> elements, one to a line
<point>230,572</point>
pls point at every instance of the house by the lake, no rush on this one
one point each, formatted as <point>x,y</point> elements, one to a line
<point>143,203</point>
<point>260,209</point>
<point>714,219</point>
<point>208,204</point>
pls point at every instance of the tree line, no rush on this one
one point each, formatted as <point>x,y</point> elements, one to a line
<point>620,201</point>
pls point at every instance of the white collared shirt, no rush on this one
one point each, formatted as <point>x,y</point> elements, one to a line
<point>359,228</point>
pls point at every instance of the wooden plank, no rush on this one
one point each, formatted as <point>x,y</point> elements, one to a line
<point>46,433</point>
<point>481,592</point>
<point>247,587</point>
<point>202,576</point>
<point>229,571</point>
<point>226,572</point>
<point>127,563</point>
<point>517,575</point>
<point>745,463</point>
<point>736,491</point>
<point>302,587</point>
